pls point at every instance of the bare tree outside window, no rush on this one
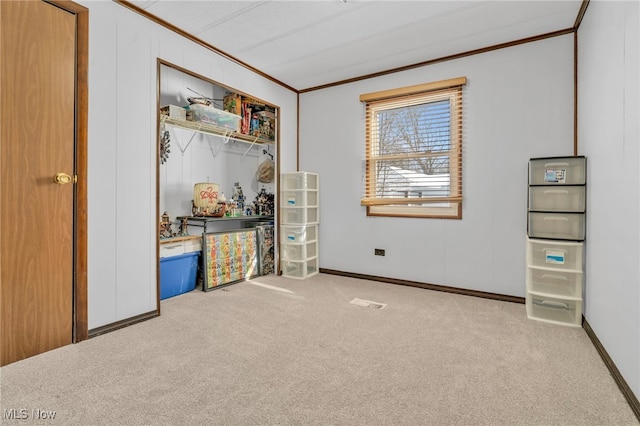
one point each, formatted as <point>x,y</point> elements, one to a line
<point>414,140</point>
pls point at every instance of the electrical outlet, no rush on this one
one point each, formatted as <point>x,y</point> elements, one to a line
<point>378,252</point>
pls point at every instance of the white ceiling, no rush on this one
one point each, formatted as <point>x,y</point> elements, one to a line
<point>309,43</point>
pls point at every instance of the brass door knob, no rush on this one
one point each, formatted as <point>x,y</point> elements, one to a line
<point>62,178</point>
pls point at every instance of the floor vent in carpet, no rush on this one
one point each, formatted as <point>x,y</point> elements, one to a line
<point>368,303</point>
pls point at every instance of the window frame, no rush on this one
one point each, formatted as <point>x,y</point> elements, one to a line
<point>420,94</point>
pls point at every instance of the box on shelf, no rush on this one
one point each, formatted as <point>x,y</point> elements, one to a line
<point>174,111</point>
<point>232,102</point>
<point>263,125</point>
<point>211,115</point>
<point>178,274</point>
<point>258,119</point>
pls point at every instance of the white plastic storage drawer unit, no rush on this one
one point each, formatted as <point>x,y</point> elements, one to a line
<point>300,198</point>
<point>299,220</point>
<point>301,269</point>
<point>561,255</point>
<point>554,282</point>
<point>299,251</point>
<point>555,310</point>
<point>561,226</point>
<point>298,233</point>
<point>556,228</point>
<point>550,199</point>
<point>557,171</point>
<point>299,215</point>
<point>299,180</point>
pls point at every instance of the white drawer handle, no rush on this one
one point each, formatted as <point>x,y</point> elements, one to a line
<point>554,250</point>
<point>556,191</point>
<point>564,219</point>
<point>552,304</point>
<point>555,277</point>
<point>556,164</point>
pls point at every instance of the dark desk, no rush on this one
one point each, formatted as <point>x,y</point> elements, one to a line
<point>207,223</point>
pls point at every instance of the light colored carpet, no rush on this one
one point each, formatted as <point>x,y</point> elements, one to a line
<point>280,351</point>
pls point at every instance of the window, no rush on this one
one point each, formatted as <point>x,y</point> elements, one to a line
<point>413,156</point>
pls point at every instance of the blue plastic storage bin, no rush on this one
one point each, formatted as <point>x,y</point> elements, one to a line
<point>178,274</point>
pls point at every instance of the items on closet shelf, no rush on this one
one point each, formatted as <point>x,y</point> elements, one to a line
<point>555,239</point>
<point>299,225</point>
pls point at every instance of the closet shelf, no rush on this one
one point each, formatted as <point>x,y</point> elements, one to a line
<point>212,129</point>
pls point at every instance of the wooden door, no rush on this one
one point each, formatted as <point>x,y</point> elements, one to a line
<point>37,141</point>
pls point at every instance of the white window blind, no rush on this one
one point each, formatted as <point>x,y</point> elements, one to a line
<point>413,155</point>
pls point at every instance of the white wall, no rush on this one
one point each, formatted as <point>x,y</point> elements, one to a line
<point>518,104</point>
<point>608,74</point>
<point>123,48</point>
